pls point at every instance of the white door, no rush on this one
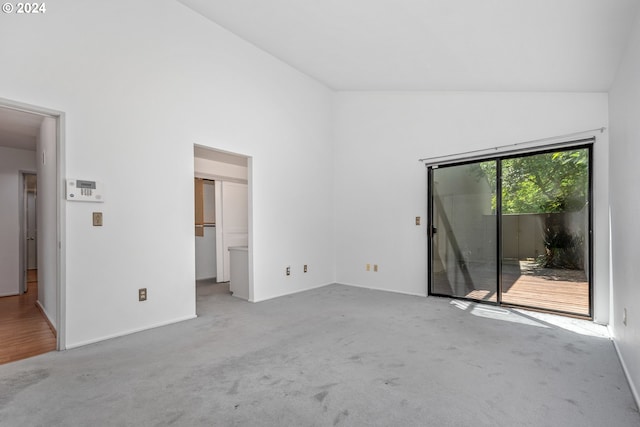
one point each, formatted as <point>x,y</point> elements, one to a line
<point>32,234</point>
<point>232,223</point>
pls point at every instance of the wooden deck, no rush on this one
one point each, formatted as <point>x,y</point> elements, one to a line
<point>24,332</point>
<point>556,295</point>
<point>525,284</point>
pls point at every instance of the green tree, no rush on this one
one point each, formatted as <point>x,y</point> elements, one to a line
<point>542,183</point>
<point>548,183</point>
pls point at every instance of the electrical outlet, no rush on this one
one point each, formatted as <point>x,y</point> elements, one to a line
<point>624,316</point>
<point>305,268</point>
<point>97,219</point>
<point>375,268</point>
<point>142,294</point>
<point>417,220</point>
<point>288,271</point>
<point>368,267</point>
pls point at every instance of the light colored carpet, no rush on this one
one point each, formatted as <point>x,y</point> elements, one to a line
<point>332,356</point>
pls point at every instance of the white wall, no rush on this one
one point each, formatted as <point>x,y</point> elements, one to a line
<point>624,100</point>
<point>140,83</point>
<point>211,169</point>
<point>12,162</point>
<point>47,219</point>
<point>381,187</point>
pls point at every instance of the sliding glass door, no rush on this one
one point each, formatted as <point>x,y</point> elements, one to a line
<point>546,231</point>
<point>464,227</point>
<point>514,230</point>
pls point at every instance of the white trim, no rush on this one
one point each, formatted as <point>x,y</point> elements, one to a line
<point>61,326</point>
<point>393,291</point>
<point>42,309</point>
<point>294,292</point>
<point>561,141</point>
<point>131,331</point>
<point>9,295</point>
<point>250,225</point>
<point>634,390</point>
<point>215,177</point>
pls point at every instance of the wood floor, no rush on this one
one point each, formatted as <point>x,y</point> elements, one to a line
<point>556,295</point>
<point>24,332</point>
<point>525,284</point>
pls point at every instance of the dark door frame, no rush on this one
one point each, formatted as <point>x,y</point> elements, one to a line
<point>575,145</point>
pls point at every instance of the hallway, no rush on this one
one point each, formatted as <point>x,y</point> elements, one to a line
<point>24,331</point>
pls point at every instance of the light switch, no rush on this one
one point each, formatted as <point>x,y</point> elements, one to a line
<point>97,219</point>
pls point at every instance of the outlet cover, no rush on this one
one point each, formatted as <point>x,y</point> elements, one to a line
<point>97,219</point>
<point>375,268</point>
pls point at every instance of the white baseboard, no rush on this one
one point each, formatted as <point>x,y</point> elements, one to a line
<point>394,291</point>
<point>632,386</point>
<point>52,324</point>
<point>11,294</point>
<point>322,285</point>
<point>129,332</point>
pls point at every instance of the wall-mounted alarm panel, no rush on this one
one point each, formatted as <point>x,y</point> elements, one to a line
<point>80,190</point>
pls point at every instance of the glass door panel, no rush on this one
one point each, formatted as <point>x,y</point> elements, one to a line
<point>545,231</point>
<point>464,257</point>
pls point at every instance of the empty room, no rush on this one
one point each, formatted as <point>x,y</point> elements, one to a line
<point>435,219</point>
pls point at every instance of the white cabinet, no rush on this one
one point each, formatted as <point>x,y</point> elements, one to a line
<point>239,271</point>
<point>206,253</point>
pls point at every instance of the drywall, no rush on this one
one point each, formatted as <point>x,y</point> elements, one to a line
<point>624,102</point>
<point>381,187</point>
<point>47,219</point>
<point>12,162</point>
<point>140,83</point>
<point>211,169</point>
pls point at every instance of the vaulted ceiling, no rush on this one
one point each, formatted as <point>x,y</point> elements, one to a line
<point>477,45</point>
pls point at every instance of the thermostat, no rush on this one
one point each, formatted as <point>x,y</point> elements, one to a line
<point>80,190</point>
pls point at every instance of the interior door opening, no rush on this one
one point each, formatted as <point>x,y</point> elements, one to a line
<point>32,302</point>
<point>514,230</point>
<point>222,218</point>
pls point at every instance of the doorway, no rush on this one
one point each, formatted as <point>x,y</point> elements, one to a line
<point>514,230</point>
<point>222,204</point>
<point>32,315</point>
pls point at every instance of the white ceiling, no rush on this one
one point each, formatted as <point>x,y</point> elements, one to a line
<point>19,129</point>
<point>478,45</point>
